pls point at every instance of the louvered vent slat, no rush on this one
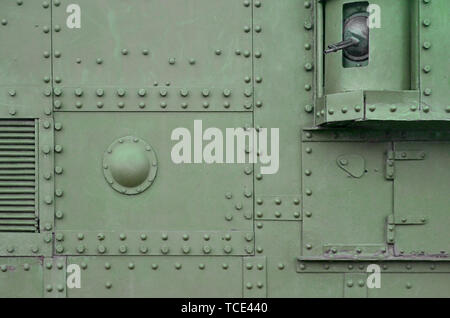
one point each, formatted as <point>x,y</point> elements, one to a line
<point>18,176</point>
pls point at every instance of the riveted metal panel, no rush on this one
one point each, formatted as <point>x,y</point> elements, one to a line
<point>283,79</point>
<point>344,216</point>
<point>409,285</point>
<point>136,70</point>
<point>254,277</point>
<point>163,206</point>
<point>434,46</point>
<point>185,56</point>
<point>26,244</point>
<point>158,276</point>
<point>282,277</point>
<point>355,285</point>
<point>25,59</point>
<point>26,35</point>
<point>154,243</point>
<point>285,207</point>
<point>393,265</point>
<point>21,277</point>
<point>54,269</point>
<point>418,197</point>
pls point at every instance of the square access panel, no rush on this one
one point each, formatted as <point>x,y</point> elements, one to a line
<point>155,206</point>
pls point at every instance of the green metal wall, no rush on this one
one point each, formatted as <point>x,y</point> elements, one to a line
<point>364,158</point>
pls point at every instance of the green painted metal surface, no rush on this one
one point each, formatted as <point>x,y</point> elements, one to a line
<point>89,187</point>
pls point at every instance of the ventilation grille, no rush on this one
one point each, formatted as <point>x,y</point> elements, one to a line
<point>18,159</point>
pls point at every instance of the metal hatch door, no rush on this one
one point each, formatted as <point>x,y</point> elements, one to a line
<point>421,202</point>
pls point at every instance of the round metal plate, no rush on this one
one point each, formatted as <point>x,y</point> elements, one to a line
<point>130,165</point>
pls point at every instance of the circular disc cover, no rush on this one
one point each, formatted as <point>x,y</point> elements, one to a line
<point>130,165</point>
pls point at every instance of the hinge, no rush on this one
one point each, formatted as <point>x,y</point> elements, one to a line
<point>393,156</point>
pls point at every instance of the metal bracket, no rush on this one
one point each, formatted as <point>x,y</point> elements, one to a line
<point>393,156</point>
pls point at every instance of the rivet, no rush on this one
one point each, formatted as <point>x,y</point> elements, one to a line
<point>80,249</point>
<point>308,25</point>
<point>101,249</point>
<point>206,249</point>
<point>164,249</point>
<point>142,92</point>
<point>121,92</point>
<point>426,45</point>
<point>48,200</point>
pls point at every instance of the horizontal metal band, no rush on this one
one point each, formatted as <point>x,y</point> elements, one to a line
<point>154,243</point>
